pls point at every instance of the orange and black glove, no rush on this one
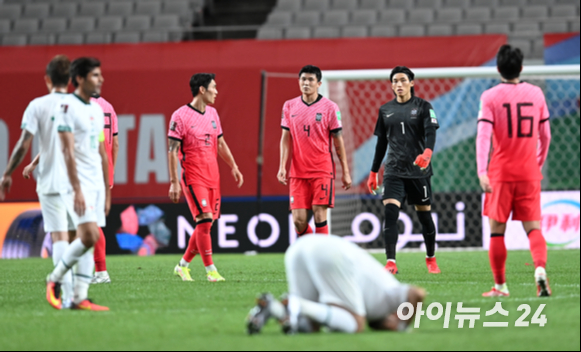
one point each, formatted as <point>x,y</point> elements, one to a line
<point>372,182</point>
<point>423,160</point>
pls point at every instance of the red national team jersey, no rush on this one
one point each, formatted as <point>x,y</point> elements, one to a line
<point>111,130</point>
<point>310,127</point>
<point>198,132</point>
<point>515,111</point>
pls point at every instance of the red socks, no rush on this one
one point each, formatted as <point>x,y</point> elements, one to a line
<point>100,253</point>
<point>322,228</point>
<point>307,231</point>
<point>204,241</point>
<point>192,249</point>
<point>497,255</point>
<point>538,247</point>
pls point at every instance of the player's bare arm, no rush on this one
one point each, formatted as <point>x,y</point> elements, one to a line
<point>175,189</point>
<point>18,154</point>
<point>29,169</point>
<point>105,166</point>
<point>340,150</point>
<point>68,145</point>
<point>285,147</point>
<point>226,155</point>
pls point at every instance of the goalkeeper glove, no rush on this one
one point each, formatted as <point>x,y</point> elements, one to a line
<point>423,160</point>
<point>372,183</point>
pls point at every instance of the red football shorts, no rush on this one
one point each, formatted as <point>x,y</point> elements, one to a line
<point>306,192</point>
<point>202,200</point>
<point>522,198</point>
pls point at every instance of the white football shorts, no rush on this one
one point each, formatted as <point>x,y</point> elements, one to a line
<point>94,208</point>
<point>54,213</point>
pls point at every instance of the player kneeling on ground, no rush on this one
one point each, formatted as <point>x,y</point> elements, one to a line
<point>335,284</point>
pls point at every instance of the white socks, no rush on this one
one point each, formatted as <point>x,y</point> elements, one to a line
<point>184,264</point>
<point>83,276</point>
<point>58,249</point>
<point>69,258</point>
<point>211,268</point>
<point>335,318</point>
<point>502,288</point>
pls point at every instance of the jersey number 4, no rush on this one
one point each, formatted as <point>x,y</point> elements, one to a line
<point>520,119</point>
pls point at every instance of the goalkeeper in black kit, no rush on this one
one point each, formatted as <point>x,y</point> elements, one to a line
<point>408,125</point>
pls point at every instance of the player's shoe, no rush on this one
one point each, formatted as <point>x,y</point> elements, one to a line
<point>260,314</point>
<point>183,273</point>
<point>496,293</point>
<point>101,279</point>
<point>88,305</point>
<point>391,267</point>
<point>213,276</point>
<point>432,266</point>
<point>543,289</point>
<point>53,294</point>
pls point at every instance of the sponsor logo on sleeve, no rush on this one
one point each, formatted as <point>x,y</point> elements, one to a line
<point>173,126</point>
<point>204,203</point>
<point>339,115</point>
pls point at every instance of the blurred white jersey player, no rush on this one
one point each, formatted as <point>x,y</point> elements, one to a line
<point>38,120</point>
<point>80,125</point>
<point>336,284</point>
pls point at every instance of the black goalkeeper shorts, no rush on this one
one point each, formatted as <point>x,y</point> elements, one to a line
<point>417,191</point>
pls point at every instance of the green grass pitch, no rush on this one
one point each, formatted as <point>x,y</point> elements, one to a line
<point>153,310</point>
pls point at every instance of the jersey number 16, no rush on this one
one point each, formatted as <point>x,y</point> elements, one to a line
<point>520,119</point>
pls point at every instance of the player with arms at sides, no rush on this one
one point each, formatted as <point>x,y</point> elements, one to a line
<point>408,125</point>
<point>80,124</point>
<point>336,284</point>
<point>39,120</point>
<point>515,116</point>
<point>196,140</point>
<point>112,148</point>
<point>309,122</point>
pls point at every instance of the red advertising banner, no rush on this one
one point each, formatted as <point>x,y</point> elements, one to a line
<point>147,82</point>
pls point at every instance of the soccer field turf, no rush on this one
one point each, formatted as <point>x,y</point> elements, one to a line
<point>153,310</point>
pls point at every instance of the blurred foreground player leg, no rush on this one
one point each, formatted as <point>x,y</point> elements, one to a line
<point>335,284</point>
<point>307,123</point>
<point>37,121</point>
<point>80,124</point>
<point>512,180</point>
<point>196,139</point>
<point>112,146</point>
<point>408,124</point>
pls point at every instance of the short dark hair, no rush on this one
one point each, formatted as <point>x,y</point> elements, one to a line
<point>200,80</point>
<point>312,70</point>
<point>58,69</point>
<point>405,70</point>
<point>509,61</point>
<point>81,68</point>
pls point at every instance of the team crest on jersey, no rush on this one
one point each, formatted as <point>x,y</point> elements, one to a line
<point>319,117</point>
<point>214,124</point>
<point>414,113</point>
<point>173,126</point>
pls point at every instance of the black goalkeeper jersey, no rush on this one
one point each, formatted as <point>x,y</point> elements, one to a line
<point>404,126</point>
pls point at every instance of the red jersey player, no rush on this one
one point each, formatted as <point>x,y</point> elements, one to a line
<point>516,116</point>
<point>112,147</point>
<point>195,133</point>
<point>309,122</point>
